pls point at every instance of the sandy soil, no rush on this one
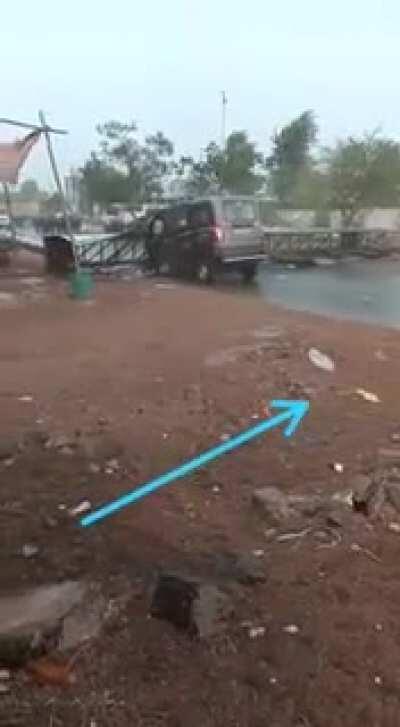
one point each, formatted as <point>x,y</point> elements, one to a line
<point>149,374</point>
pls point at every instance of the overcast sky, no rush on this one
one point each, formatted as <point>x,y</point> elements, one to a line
<point>164,65</point>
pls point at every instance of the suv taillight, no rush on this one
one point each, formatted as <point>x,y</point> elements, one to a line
<point>218,235</point>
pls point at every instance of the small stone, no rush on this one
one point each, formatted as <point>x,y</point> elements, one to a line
<point>29,551</point>
<point>94,468</point>
<point>378,681</point>
<point>394,527</point>
<point>395,437</point>
<point>256,632</point>
<point>4,688</point>
<point>9,462</point>
<point>112,464</point>
<point>66,451</point>
<point>291,629</point>
<point>5,674</point>
<point>61,441</point>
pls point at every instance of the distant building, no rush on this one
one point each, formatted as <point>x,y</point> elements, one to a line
<point>72,186</point>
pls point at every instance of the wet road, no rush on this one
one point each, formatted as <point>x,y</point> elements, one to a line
<point>360,290</point>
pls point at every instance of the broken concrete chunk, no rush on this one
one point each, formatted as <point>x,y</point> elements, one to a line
<point>32,622</point>
<point>199,608</point>
<point>279,508</point>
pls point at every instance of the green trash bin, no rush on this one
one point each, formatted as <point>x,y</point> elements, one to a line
<point>81,284</point>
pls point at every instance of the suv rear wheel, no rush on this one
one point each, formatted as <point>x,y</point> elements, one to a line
<point>205,272</point>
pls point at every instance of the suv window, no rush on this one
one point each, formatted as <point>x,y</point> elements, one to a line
<point>201,215</point>
<point>239,212</point>
<point>178,217</point>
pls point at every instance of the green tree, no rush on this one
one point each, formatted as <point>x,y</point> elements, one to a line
<point>363,173</point>
<point>104,184</point>
<point>235,169</point>
<point>145,165</point>
<point>291,156</point>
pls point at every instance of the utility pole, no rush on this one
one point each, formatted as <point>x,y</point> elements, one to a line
<point>45,129</point>
<point>223,120</point>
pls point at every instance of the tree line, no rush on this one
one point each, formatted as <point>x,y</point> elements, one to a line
<point>354,173</point>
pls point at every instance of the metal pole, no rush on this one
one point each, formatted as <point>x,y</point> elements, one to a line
<point>33,127</point>
<point>223,120</point>
<point>57,180</point>
<point>9,211</point>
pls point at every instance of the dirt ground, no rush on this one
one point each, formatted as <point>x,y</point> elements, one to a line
<point>148,374</point>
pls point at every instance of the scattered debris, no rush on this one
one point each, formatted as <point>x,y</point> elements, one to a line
<point>394,527</point>
<point>48,671</point>
<point>83,506</point>
<point>26,398</point>
<point>111,466</point>
<point>29,551</point>
<point>198,608</point>
<point>321,360</point>
<point>368,396</point>
<point>225,437</point>
<point>356,548</point>
<point>338,467</point>
<point>36,621</point>
<point>257,631</point>
<point>5,674</point>
<point>287,537</point>
<point>291,629</point>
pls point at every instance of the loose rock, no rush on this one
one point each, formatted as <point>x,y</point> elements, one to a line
<point>198,608</point>
<point>280,508</point>
<point>33,622</point>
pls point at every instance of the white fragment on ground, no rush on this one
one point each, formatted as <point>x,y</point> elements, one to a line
<point>256,632</point>
<point>394,527</point>
<point>258,553</point>
<point>378,680</point>
<point>5,674</point>
<point>380,355</point>
<point>225,437</point>
<point>321,360</point>
<point>29,551</point>
<point>83,506</point>
<point>368,396</point>
<point>291,629</point>
<point>26,398</point>
<point>338,467</point>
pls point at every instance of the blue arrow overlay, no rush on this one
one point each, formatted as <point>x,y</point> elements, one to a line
<point>292,414</point>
